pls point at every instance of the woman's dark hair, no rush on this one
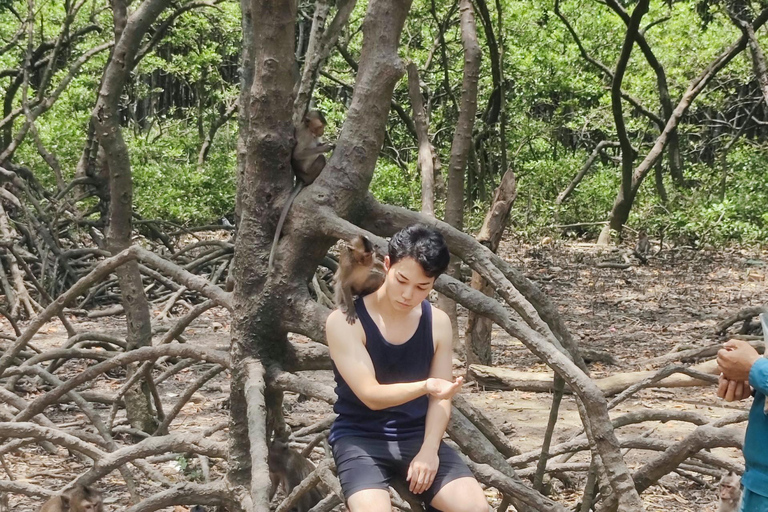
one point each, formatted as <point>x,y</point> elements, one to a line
<point>422,243</point>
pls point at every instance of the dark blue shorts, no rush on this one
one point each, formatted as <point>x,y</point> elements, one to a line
<point>364,463</point>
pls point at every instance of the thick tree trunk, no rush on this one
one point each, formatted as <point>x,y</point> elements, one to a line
<point>462,143</point>
<point>107,123</point>
<point>268,305</point>
<point>264,150</point>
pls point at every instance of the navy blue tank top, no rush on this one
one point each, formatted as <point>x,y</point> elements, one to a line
<point>406,362</point>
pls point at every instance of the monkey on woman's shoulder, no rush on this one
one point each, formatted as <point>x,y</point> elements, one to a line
<point>360,272</point>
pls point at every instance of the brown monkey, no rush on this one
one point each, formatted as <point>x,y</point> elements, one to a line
<point>288,468</point>
<point>360,272</point>
<point>643,246</point>
<point>730,493</point>
<point>307,161</point>
<point>79,499</point>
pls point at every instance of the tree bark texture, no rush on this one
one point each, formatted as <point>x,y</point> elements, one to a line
<point>426,163</point>
<point>265,143</point>
<point>267,305</point>
<point>462,142</point>
<point>107,122</point>
<point>477,340</point>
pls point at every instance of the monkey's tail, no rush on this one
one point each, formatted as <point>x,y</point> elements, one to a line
<point>296,189</point>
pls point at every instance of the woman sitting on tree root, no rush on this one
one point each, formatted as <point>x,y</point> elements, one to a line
<point>394,385</point>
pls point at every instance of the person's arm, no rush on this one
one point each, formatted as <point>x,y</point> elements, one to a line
<point>354,364</point>
<point>423,467</point>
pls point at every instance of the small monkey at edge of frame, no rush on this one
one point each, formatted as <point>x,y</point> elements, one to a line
<point>80,499</point>
<point>729,492</point>
<point>289,468</point>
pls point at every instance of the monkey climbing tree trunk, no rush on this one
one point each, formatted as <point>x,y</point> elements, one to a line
<point>129,33</point>
<point>268,305</point>
<point>462,143</point>
<point>477,341</point>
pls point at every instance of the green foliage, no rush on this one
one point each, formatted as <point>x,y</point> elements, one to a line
<point>167,183</point>
<point>394,186</point>
<point>192,473</point>
<point>557,107</point>
<point>702,216</point>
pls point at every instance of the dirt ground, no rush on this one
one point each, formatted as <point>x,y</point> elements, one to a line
<point>635,314</point>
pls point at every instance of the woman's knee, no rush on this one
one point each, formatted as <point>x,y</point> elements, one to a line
<point>462,495</point>
<point>369,500</point>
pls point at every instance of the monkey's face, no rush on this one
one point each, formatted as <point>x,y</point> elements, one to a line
<point>94,505</point>
<point>728,491</point>
<point>364,258</point>
<point>278,451</point>
<point>406,283</point>
<point>316,126</point>
<point>361,251</point>
<point>730,488</point>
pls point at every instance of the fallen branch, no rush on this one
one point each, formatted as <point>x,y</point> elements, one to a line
<point>213,494</point>
<point>142,354</point>
<point>705,436</point>
<point>694,354</point>
<point>744,314</point>
<point>162,429</point>
<point>180,443</point>
<point>542,382</point>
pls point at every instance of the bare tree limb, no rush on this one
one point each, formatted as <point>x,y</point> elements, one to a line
<point>623,204</point>
<point>426,162</point>
<point>562,196</point>
<point>627,151</point>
